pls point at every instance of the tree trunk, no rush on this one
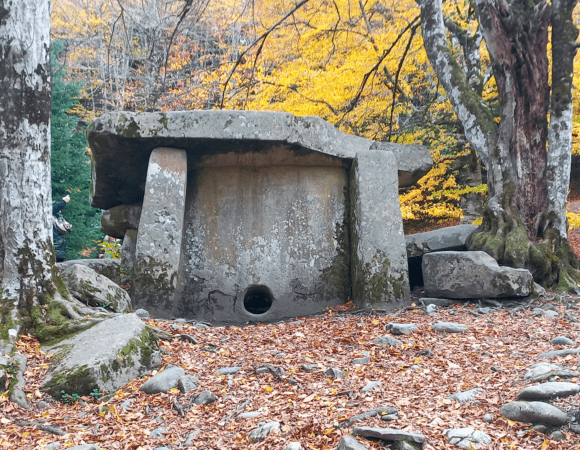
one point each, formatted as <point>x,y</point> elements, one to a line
<point>515,229</point>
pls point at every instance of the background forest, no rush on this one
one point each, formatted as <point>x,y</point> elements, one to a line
<point>360,65</point>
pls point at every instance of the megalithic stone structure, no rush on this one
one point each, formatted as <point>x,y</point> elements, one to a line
<point>158,248</point>
<point>260,216</point>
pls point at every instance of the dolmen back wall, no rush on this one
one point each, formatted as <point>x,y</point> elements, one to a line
<point>241,216</point>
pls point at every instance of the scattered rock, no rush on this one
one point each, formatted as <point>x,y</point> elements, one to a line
<point>158,433</point>
<point>349,442</point>
<point>534,412</point>
<point>293,446</point>
<point>426,352</point>
<point>488,418</point>
<point>388,434</point>
<point>563,352</point>
<point>431,310</point>
<point>187,383</point>
<point>228,370</point>
<point>440,302</point>
<point>473,275</point>
<point>401,328</point>
<point>205,398</point>
<point>363,360</point>
<point>449,327</point>
<point>467,437</point>
<point>464,397</point>
<point>548,391</point>
<point>382,411</point>
<point>309,367</point>
<point>249,415</point>
<point>541,369</point>
<point>42,404</point>
<point>561,340</point>
<point>334,373</point>
<point>85,447</point>
<point>18,395</point>
<point>191,438</point>
<point>557,436</point>
<point>163,381</point>
<point>370,386</point>
<point>260,433</point>
<point>448,238</point>
<point>550,314</point>
<point>142,314</point>
<point>387,341</point>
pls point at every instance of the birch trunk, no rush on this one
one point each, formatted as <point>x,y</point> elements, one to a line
<point>515,229</point>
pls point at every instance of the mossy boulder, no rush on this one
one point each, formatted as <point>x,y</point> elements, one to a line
<point>106,356</point>
<point>93,289</point>
<point>110,268</point>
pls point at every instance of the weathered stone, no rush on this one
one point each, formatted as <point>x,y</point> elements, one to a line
<point>442,239</point>
<point>106,356</point>
<point>370,386</point>
<point>18,395</point>
<point>387,341</point>
<point>413,162</point>
<point>110,268</point>
<point>401,328</point>
<point>260,433</point>
<point>187,383</point>
<point>449,327</point>
<point>364,360</point>
<point>431,310</point>
<point>293,446</point>
<point>334,373</point>
<point>93,289</point>
<point>382,411</point>
<point>158,249</point>
<point>163,381</point>
<point>488,418</point>
<point>548,391</point>
<point>349,442</point>
<point>441,302</point>
<point>380,274</point>
<point>117,220</point>
<point>128,250</point>
<point>561,340</point>
<point>534,412</point>
<point>563,352</point>
<point>158,433</point>
<point>142,314</point>
<point>205,398</point>
<point>467,437</point>
<point>388,434</point>
<point>464,397</point>
<point>249,415</point>
<point>541,369</point>
<point>473,275</point>
<point>228,370</point>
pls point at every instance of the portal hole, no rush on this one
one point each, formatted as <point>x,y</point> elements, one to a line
<point>258,300</point>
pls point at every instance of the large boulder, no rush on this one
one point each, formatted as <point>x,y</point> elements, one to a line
<point>473,275</point>
<point>93,289</point>
<point>106,356</point>
<point>442,239</point>
<point>110,268</point>
<point>117,220</point>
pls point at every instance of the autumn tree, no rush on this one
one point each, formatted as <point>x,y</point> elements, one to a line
<point>527,160</point>
<point>32,298</point>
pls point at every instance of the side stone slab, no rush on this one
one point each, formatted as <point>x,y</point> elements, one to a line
<point>380,277</point>
<point>158,248</point>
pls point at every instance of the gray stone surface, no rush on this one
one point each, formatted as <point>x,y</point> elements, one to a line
<point>534,412</point>
<point>228,370</point>
<point>334,373</point>
<point>563,352</point>
<point>465,396</point>
<point>293,446</point>
<point>442,239</point>
<point>462,437</point>
<point>110,268</point>
<point>249,415</point>
<point>472,275</point>
<point>364,360</point>
<point>561,340</point>
<point>187,383</point>
<point>431,310</point>
<point>142,313</point>
<point>260,433</point>
<point>117,220</point>
<point>383,411</point>
<point>106,356</point>
<point>441,302</point>
<point>370,386</point>
<point>401,328</point>
<point>163,381</point>
<point>379,268</point>
<point>158,249</point>
<point>128,249</point>
<point>93,289</point>
<point>548,391</point>
<point>387,341</point>
<point>449,327</point>
<point>388,434</point>
<point>205,398</point>
<point>541,369</point>
<point>18,395</point>
<point>349,442</point>
<point>85,447</point>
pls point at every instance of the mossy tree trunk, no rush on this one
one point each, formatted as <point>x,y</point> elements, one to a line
<point>524,221</point>
<point>31,297</point>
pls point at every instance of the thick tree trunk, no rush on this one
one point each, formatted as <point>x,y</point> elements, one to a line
<point>515,229</point>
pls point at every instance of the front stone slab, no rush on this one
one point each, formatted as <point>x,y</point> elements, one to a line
<point>380,278</point>
<point>158,248</point>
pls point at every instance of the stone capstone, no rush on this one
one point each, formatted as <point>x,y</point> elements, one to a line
<point>534,412</point>
<point>117,220</point>
<point>110,268</point>
<point>473,275</point>
<point>106,356</point>
<point>93,289</point>
<point>467,438</point>
<point>548,391</point>
<point>163,381</point>
<point>443,239</point>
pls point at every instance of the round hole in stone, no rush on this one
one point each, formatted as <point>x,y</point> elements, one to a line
<point>258,300</point>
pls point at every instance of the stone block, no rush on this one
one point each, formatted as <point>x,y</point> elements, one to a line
<point>117,220</point>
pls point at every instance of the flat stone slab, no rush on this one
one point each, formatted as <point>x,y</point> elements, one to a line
<point>117,175</point>
<point>467,437</point>
<point>388,434</point>
<point>563,352</point>
<point>387,341</point>
<point>465,396</point>
<point>534,412</point>
<point>449,327</point>
<point>548,391</point>
<point>349,442</point>
<point>561,340</point>
<point>541,369</point>
<point>106,356</point>
<point>473,275</point>
<point>442,239</point>
<point>401,328</point>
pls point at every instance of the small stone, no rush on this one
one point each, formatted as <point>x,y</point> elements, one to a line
<point>187,383</point>
<point>191,438</point>
<point>349,442</point>
<point>561,340</point>
<point>142,314</point>
<point>42,404</point>
<point>158,433</point>
<point>550,314</point>
<point>174,326</point>
<point>293,446</point>
<point>363,360</point>
<point>260,433</point>
<point>431,309</point>
<point>205,398</point>
<point>488,418</point>
<point>249,415</point>
<point>389,417</point>
<point>388,434</point>
<point>387,341</point>
<point>426,352</point>
<point>415,367</point>
<point>201,326</point>
<point>187,337</point>
<point>548,391</point>
<point>575,428</point>
<point>370,386</point>
<point>401,328</point>
<point>228,370</point>
<point>539,428</point>
<point>464,397</point>
<point>53,446</point>
<point>334,373</point>
<point>563,352</point>
<point>557,436</point>
<point>449,327</point>
<point>534,412</point>
<point>309,367</point>
<point>180,320</point>
<point>126,405</point>
<point>437,301</point>
<point>467,437</point>
<point>541,369</point>
<point>163,381</point>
